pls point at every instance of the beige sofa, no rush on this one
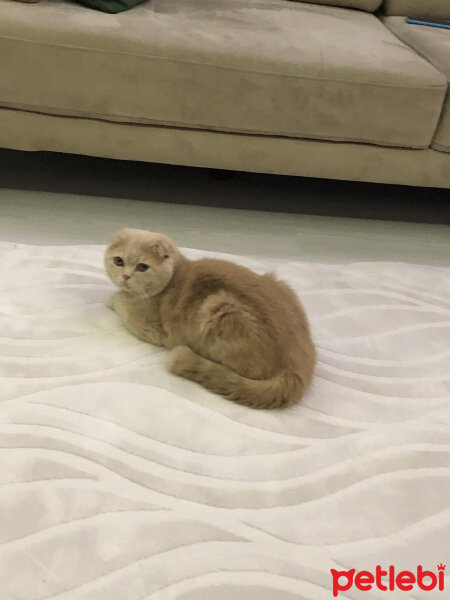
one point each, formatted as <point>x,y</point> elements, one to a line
<point>271,86</point>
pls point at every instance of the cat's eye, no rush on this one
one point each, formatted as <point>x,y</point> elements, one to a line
<point>118,261</point>
<point>142,267</point>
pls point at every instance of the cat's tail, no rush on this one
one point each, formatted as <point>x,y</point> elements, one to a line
<point>281,390</point>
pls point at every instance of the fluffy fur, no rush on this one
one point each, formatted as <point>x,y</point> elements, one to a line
<point>242,335</point>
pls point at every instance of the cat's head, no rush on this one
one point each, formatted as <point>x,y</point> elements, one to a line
<point>140,262</point>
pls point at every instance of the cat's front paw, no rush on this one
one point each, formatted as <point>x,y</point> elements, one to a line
<point>112,301</point>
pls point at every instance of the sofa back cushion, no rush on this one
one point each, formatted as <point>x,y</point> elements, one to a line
<point>418,8</point>
<point>368,5</point>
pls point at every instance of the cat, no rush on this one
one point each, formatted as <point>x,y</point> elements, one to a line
<point>239,334</point>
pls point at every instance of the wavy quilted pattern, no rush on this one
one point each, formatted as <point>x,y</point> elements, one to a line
<point>120,481</point>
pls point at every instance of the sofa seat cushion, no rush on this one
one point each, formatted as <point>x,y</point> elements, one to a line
<point>434,45</point>
<point>369,5</point>
<point>418,8</point>
<point>268,67</point>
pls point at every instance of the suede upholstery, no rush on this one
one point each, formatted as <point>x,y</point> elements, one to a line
<point>434,45</point>
<point>419,8</point>
<point>229,84</point>
<point>368,5</point>
<point>268,67</point>
<point>359,162</point>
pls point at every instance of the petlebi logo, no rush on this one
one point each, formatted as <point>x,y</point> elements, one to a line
<point>388,579</point>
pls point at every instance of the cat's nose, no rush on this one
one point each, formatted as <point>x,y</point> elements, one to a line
<point>126,277</point>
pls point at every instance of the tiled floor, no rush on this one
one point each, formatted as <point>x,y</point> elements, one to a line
<point>76,209</point>
<point>49,218</point>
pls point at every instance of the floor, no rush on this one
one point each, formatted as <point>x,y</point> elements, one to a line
<point>53,199</point>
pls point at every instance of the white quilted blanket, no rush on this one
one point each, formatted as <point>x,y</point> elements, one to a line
<point>119,481</point>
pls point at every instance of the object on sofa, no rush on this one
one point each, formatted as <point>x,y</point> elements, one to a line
<point>259,85</point>
<point>108,6</point>
<point>111,6</point>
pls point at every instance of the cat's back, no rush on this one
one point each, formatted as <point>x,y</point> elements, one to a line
<point>210,275</point>
<point>263,292</point>
<point>262,301</point>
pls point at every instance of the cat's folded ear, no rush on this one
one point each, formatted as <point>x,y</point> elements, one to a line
<point>164,248</point>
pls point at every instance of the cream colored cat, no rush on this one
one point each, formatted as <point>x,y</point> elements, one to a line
<point>237,333</point>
